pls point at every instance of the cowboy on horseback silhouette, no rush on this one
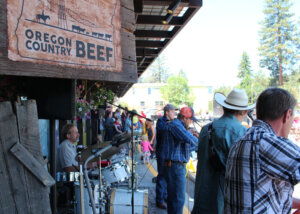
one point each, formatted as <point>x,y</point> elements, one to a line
<point>42,16</point>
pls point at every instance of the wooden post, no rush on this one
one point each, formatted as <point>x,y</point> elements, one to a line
<point>80,130</point>
<point>53,200</point>
<point>88,132</point>
<point>95,125</point>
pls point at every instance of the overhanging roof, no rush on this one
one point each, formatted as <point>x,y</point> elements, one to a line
<point>151,35</point>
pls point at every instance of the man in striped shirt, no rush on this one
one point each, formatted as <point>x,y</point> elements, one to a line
<point>263,165</point>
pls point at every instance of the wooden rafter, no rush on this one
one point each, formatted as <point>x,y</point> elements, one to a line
<point>147,60</point>
<point>138,6</point>
<point>150,44</point>
<point>146,51</point>
<point>184,3</point>
<point>157,20</point>
<point>153,34</point>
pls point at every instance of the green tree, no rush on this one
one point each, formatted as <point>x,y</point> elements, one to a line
<point>223,89</point>
<point>245,74</point>
<point>293,84</point>
<point>260,83</point>
<point>277,39</point>
<point>182,74</point>
<point>177,91</point>
<point>157,72</point>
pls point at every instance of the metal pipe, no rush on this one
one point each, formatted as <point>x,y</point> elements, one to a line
<point>87,180</point>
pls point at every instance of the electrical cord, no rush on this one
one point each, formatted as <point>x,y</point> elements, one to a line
<point>145,173</point>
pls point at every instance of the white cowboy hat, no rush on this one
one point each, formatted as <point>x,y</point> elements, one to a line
<point>237,99</point>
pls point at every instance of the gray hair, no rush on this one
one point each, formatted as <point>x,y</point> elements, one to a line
<point>272,103</point>
<point>66,130</point>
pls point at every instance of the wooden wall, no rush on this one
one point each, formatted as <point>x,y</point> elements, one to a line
<point>129,73</point>
<point>23,186</point>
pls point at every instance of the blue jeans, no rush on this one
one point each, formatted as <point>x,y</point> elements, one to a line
<point>176,185</point>
<point>161,184</point>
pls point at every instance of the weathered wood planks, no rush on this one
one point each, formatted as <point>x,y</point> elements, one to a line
<point>35,167</point>
<point>21,192</point>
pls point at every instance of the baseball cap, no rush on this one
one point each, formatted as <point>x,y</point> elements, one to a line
<point>169,107</point>
<point>188,112</point>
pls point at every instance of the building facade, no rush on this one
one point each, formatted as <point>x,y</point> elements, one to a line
<point>147,96</point>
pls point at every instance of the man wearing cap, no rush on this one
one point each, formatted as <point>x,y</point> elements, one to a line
<point>209,185</point>
<point>177,148</point>
<point>263,165</point>
<point>162,132</point>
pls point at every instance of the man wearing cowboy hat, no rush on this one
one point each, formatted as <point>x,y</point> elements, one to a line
<point>209,185</point>
<point>263,165</point>
<point>176,149</point>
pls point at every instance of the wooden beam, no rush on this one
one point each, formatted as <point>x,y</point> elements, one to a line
<point>195,3</point>
<point>145,65</point>
<point>188,15</point>
<point>146,51</point>
<point>157,20</point>
<point>184,3</point>
<point>147,60</point>
<point>32,164</point>
<point>138,6</point>
<point>153,34</point>
<point>150,44</point>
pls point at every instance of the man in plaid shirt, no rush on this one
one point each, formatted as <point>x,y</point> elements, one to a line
<point>263,165</point>
<point>177,147</point>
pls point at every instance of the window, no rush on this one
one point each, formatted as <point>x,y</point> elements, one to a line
<point>142,103</point>
<point>159,103</point>
<point>149,90</point>
<point>209,90</point>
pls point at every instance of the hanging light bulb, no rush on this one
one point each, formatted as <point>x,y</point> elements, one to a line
<point>167,18</point>
<point>172,7</point>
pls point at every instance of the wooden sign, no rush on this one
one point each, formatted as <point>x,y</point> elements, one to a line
<point>83,34</point>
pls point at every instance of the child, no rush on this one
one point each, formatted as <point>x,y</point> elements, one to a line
<point>145,148</point>
<point>117,127</point>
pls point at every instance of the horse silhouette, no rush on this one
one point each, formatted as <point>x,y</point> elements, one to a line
<point>42,16</point>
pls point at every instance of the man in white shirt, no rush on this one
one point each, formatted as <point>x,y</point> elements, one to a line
<point>66,153</point>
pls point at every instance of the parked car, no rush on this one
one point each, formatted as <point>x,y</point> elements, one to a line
<point>154,114</point>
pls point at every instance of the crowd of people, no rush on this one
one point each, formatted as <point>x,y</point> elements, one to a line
<point>239,170</point>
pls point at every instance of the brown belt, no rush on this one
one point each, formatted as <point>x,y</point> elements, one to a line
<point>168,163</point>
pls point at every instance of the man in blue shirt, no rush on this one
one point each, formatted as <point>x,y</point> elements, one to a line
<point>177,148</point>
<point>162,131</point>
<point>209,185</point>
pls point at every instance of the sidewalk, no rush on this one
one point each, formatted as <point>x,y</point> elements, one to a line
<point>146,172</point>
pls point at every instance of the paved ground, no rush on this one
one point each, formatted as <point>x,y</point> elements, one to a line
<point>145,182</point>
<point>145,176</point>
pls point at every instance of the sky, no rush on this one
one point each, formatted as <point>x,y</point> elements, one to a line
<point>209,48</point>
